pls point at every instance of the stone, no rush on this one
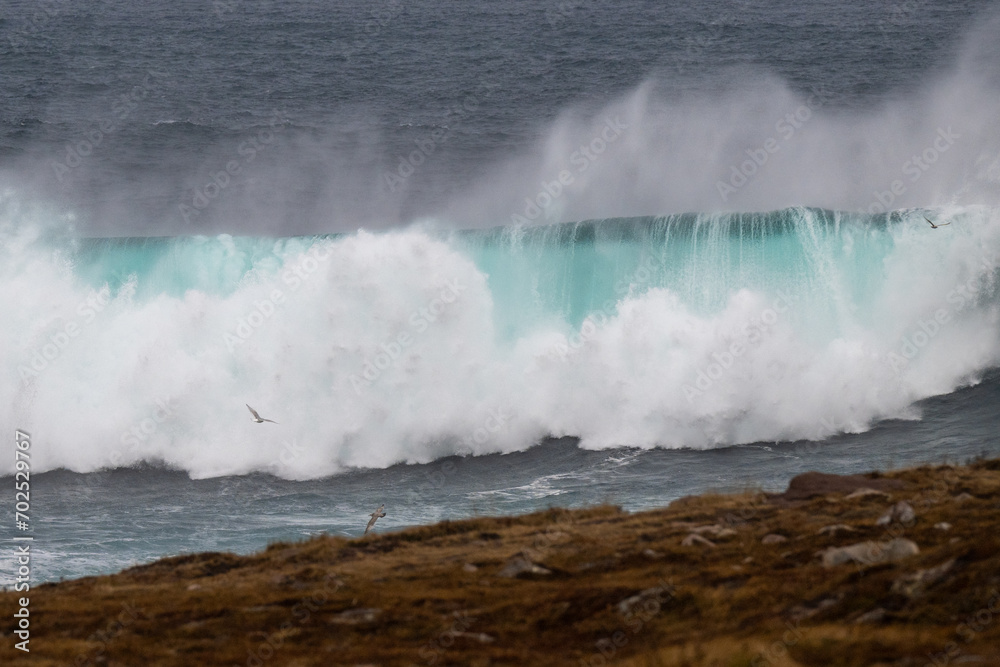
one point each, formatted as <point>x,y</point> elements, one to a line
<point>876,615</point>
<point>866,492</point>
<point>696,539</point>
<point>659,594</point>
<point>915,583</point>
<point>944,525</point>
<point>469,567</point>
<point>518,565</point>
<point>773,538</point>
<point>834,529</point>
<point>810,484</point>
<point>901,512</point>
<point>869,553</point>
<point>962,497</point>
<point>480,637</point>
<point>355,616</point>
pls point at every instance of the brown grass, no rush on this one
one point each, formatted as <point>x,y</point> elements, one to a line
<point>412,598</point>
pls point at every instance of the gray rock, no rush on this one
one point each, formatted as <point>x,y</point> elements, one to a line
<point>866,492</point>
<point>355,616</point>
<point>695,539</point>
<point>944,525</point>
<point>834,529</point>
<point>660,594</point>
<point>518,565</point>
<point>901,512</point>
<point>876,615</point>
<point>773,538</point>
<point>869,553</point>
<point>915,583</point>
<point>480,637</point>
<point>715,530</point>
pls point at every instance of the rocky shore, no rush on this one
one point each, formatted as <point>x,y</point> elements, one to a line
<point>896,568</point>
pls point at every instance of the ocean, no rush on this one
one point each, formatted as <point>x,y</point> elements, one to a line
<point>482,259</point>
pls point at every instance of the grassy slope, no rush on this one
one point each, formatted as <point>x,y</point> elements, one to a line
<point>414,597</point>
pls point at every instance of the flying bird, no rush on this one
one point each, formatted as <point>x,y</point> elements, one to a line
<point>257,418</point>
<point>376,515</point>
<point>943,224</point>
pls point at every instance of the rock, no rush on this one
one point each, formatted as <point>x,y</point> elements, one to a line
<point>469,567</point>
<point>915,583</point>
<point>355,616</point>
<point>715,530</point>
<point>808,610</point>
<point>866,492</point>
<point>901,512</point>
<point>810,484</point>
<point>944,525</point>
<point>834,529</point>
<point>696,539</point>
<point>869,553</point>
<point>649,553</point>
<point>962,497</point>
<point>659,593</point>
<point>480,637</point>
<point>876,615</point>
<point>773,538</point>
<point>518,565</point>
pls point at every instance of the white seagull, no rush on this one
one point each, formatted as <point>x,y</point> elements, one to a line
<point>376,515</point>
<point>257,418</point>
<point>943,224</point>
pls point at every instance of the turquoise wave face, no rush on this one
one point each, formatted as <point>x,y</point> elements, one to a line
<point>568,271</point>
<point>370,349</point>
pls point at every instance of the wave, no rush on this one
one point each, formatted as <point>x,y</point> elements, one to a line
<point>369,349</point>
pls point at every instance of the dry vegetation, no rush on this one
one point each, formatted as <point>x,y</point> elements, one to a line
<point>606,588</point>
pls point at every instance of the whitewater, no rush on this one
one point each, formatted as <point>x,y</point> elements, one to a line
<point>405,346</point>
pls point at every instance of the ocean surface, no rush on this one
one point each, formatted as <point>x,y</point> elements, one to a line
<point>482,259</point>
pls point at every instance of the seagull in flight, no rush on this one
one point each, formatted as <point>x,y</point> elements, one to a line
<point>257,418</point>
<point>943,224</point>
<point>376,515</point>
